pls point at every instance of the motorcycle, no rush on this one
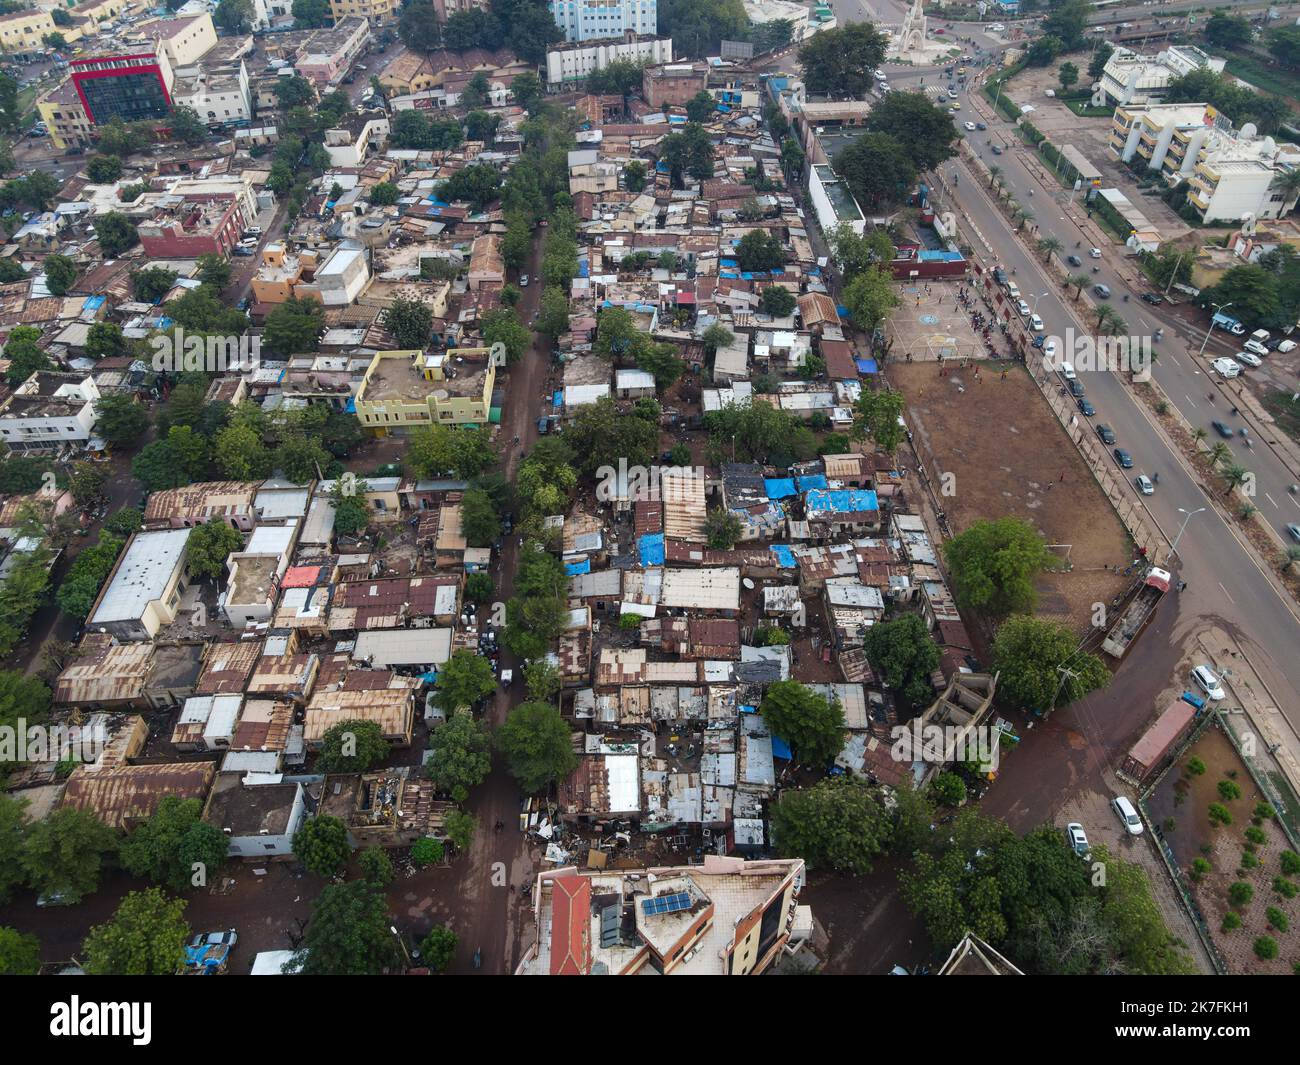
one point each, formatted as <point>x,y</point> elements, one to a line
<point>478,958</point>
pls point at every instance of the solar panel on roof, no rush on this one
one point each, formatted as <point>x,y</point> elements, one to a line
<point>674,903</point>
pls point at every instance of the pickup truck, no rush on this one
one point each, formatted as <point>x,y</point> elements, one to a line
<point>1226,321</point>
<point>1140,610</point>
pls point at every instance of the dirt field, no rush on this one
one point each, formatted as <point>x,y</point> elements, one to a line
<point>1008,454</point>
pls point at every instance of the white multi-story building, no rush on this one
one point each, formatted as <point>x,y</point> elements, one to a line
<point>576,60</point>
<point>1167,136</point>
<point>1132,78</point>
<point>48,411</point>
<point>590,20</point>
<point>1236,177</point>
<point>217,96</point>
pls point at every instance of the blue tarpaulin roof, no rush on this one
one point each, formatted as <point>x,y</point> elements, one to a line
<point>812,480</point>
<point>842,500</point>
<point>843,312</point>
<point>584,268</point>
<point>783,555</point>
<point>779,487</point>
<point>733,263</point>
<point>729,274</point>
<point>574,568</point>
<point>866,365</point>
<point>557,398</point>
<point>781,749</point>
<point>93,303</point>
<point>651,549</point>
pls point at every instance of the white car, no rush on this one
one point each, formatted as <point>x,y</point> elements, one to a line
<point>1256,347</point>
<point>1035,323</point>
<point>997,27</point>
<point>970,127</point>
<point>1205,679</point>
<point>523,280</point>
<point>1049,349</point>
<point>1144,484</point>
<point>881,76</point>
<point>1226,367</point>
<point>1022,308</point>
<point>1127,815</point>
<point>1285,346</point>
<point>1077,839</point>
<point>1249,358</point>
<point>1094,253</point>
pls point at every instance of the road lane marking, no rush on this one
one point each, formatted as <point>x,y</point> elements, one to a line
<point>1270,499</point>
<point>1189,399</point>
<point>1225,592</point>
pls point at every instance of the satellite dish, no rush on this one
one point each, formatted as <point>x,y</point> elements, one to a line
<point>1248,131</point>
<point>748,583</point>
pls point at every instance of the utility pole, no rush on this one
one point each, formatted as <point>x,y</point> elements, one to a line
<point>1065,672</point>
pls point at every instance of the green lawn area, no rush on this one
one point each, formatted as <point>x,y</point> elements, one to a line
<point>1286,410</point>
<point>1251,68</point>
<point>1084,109</point>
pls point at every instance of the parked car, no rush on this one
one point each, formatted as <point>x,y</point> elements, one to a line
<point>241,251</point>
<point>1285,345</point>
<point>1153,298</point>
<point>1076,388</point>
<point>1124,459</point>
<point>1035,323</point>
<point>1221,429</point>
<point>1022,308</point>
<point>1101,291</point>
<point>981,127</point>
<point>1077,839</point>
<point>1226,367</point>
<point>1249,358</point>
<point>970,127</point>
<point>1144,485</point>
<point>523,280</point>
<point>1086,408</point>
<point>253,231</point>
<point>542,425</point>
<point>1127,815</point>
<point>1106,433</point>
<point>1294,530</point>
<point>1255,347</point>
<point>1206,679</point>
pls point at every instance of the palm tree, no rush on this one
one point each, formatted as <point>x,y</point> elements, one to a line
<point>1023,217</point>
<point>1049,246</point>
<point>1235,476</point>
<point>1079,281</point>
<point>1219,452</point>
<point>1287,183</point>
<point>1110,322</point>
<point>1199,434</point>
<point>1247,511</point>
<point>1292,557</point>
<point>994,173</point>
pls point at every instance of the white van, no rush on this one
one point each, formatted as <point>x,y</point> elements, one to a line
<point>1226,367</point>
<point>1067,371</point>
<point>1205,679</point>
<point>1127,815</point>
<point>1013,290</point>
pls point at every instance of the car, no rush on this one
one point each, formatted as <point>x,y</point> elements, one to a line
<point>1144,484</point>
<point>1127,815</point>
<point>880,75</point>
<point>523,280</point>
<point>1106,433</point>
<point>241,251</point>
<point>1221,429</point>
<point>1035,323</point>
<point>952,94</point>
<point>243,304</point>
<point>348,79</point>
<point>1249,358</point>
<point>1255,347</point>
<point>1086,408</point>
<point>997,27</point>
<point>542,425</point>
<point>248,242</point>
<point>1124,459</point>
<point>1013,290</point>
<point>1286,345</point>
<point>1049,348</point>
<point>1208,681</point>
<point>1022,308</point>
<point>1076,388</point>
<point>1094,253</point>
<point>970,127</point>
<point>227,938</point>
<point>1074,260</point>
<point>1226,367</point>
<point>253,231</point>
<point>1101,291</point>
<point>981,127</point>
<point>1153,298</point>
<point>1067,371</point>
<point>999,275</point>
<point>1294,530</point>
<point>1077,839</point>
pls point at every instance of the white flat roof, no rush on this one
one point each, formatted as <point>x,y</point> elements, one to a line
<point>403,647</point>
<point>142,576</point>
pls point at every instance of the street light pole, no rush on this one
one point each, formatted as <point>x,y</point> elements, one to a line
<point>1220,307</point>
<point>1189,514</point>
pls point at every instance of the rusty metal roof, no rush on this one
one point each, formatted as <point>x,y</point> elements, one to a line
<point>129,794</point>
<point>104,672</point>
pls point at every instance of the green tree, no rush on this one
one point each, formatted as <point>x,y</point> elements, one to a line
<point>723,529</point>
<point>104,169</point>
<point>777,301</point>
<point>322,845</point>
<point>812,725</point>
<point>993,565</point>
<point>1037,659</point>
<point>349,933</point>
<point>64,854</point>
<point>478,184</point>
<point>418,27</point>
<point>145,937</point>
<point>464,680</point>
<point>601,436</point>
<point>869,298</point>
<point>81,586</point>
<point>502,326</point>
<point>410,321</point>
<point>153,283</point>
<point>176,848</point>
<point>208,547</point>
<point>25,358</point>
<point>634,175</point>
<point>553,315</point>
<point>115,232</point>
<point>13,819</point>
<point>351,747</point>
<point>479,522</point>
<point>376,866</point>
<point>310,14</point>
<point>60,273</point>
<point>537,747</point>
<point>837,824</point>
<point>234,16</point>
<point>925,130</point>
<point>460,754</point>
<point>241,455</point>
<point>840,62</point>
<point>294,326</point>
<point>904,656</point>
<point>438,948</point>
<point>876,416</point>
<point>688,151</point>
<point>215,270</point>
<point>384,194</point>
<point>759,250</point>
<point>1068,75</point>
<point>20,954</point>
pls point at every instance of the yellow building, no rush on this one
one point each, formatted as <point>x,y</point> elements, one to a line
<point>65,117</point>
<point>24,31</point>
<point>103,10</point>
<point>408,388</point>
<point>377,11</point>
<point>281,273</point>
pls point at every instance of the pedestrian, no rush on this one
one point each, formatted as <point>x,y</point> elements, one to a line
<point>1063,477</point>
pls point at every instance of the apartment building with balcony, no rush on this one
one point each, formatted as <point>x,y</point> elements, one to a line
<point>1167,137</point>
<point>49,411</point>
<point>587,20</point>
<point>1132,78</point>
<point>403,389</point>
<point>1238,177</point>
